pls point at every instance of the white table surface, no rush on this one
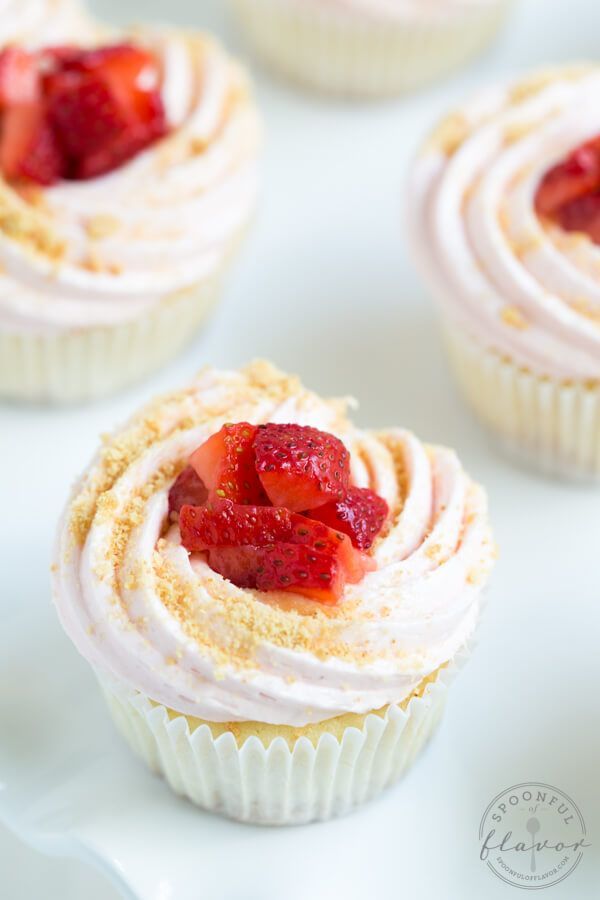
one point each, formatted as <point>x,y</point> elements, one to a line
<point>323,287</point>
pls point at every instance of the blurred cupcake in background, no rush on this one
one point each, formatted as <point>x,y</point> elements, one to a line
<point>505,223</point>
<point>368,48</point>
<point>127,177</point>
<point>274,600</point>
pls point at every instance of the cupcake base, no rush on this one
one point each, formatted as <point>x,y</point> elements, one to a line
<point>331,50</point>
<point>287,779</point>
<point>550,425</point>
<point>84,364</point>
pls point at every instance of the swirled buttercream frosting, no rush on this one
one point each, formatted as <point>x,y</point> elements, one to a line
<point>102,251</point>
<point>514,281</point>
<point>32,22</point>
<point>146,612</point>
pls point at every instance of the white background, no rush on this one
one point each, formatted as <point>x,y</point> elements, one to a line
<point>324,287</point>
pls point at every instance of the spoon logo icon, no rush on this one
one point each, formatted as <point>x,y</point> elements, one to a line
<point>533,826</point>
<point>532,835</point>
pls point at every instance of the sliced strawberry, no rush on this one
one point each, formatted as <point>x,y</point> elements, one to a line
<point>231,524</point>
<point>577,176</point>
<point>28,148</point>
<point>582,214</point>
<point>226,465</point>
<point>105,106</point>
<point>84,113</point>
<point>284,567</point>
<point>301,467</point>
<point>118,151</point>
<point>130,72</point>
<point>238,564</point>
<point>322,539</point>
<point>20,82</point>
<point>187,488</point>
<point>360,515</point>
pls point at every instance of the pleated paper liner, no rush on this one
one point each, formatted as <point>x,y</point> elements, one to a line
<point>328,49</point>
<point>286,782</point>
<point>550,425</point>
<point>87,363</point>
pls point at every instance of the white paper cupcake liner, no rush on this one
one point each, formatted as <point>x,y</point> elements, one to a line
<point>551,425</point>
<point>278,785</point>
<point>88,363</point>
<point>331,50</point>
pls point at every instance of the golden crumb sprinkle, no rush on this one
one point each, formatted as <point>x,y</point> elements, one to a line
<point>25,225</point>
<point>102,226</point>
<point>526,245</point>
<point>513,317</point>
<point>516,131</point>
<point>450,134</point>
<point>586,308</point>
<point>528,87</point>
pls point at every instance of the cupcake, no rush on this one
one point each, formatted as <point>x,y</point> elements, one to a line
<point>368,48</point>
<point>273,600</point>
<point>505,223</point>
<point>127,177</point>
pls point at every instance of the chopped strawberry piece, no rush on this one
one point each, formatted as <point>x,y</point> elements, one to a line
<point>58,55</point>
<point>28,148</point>
<point>101,107</point>
<point>272,549</point>
<point>360,515</point>
<point>582,214</point>
<point>301,467</point>
<point>238,564</point>
<point>324,540</point>
<point>187,489</point>
<point>285,567</point>
<point>84,113</point>
<point>231,524</point>
<point>577,176</point>
<point>226,465</point>
<point>19,78</point>
<point>105,107</point>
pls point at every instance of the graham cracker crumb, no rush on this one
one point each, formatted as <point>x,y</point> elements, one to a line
<point>102,226</point>
<point>513,317</point>
<point>450,134</point>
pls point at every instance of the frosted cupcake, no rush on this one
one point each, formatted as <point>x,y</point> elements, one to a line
<point>368,48</point>
<point>127,176</point>
<point>505,222</point>
<point>274,600</point>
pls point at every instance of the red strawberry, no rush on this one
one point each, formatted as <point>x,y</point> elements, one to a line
<point>301,467</point>
<point>84,113</point>
<point>105,107</point>
<point>330,542</point>
<point>582,214</point>
<point>187,488</point>
<point>577,176</point>
<point>238,564</point>
<point>292,553</point>
<point>28,148</point>
<point>226,465</point>
<point>360,515</point>
<point>284,567</point>
<point>230,524</point>
<point>19,78</point>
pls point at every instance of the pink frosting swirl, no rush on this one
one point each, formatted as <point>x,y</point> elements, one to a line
<point>35,22</point>
<point>144,611</point>
<point>520,286</point>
